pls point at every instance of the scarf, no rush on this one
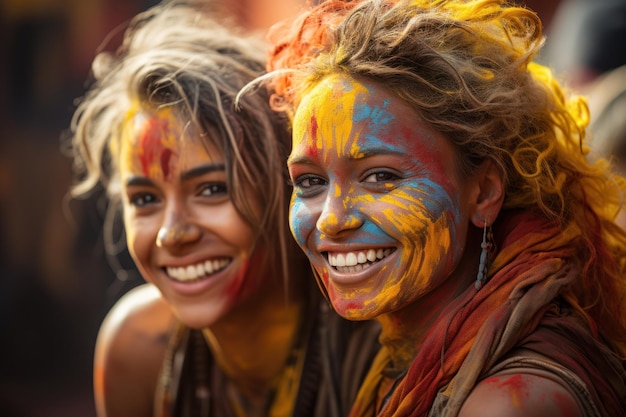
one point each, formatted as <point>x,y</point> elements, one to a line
<point>517,307</point>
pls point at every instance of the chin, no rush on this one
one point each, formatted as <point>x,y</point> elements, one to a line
<point>353,310</point>
<point>199,317</point>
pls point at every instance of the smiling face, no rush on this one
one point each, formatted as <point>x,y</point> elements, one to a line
<point>378,205</point>
<point>183,231</point>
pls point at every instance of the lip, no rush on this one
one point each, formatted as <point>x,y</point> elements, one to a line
<point>354,274</point>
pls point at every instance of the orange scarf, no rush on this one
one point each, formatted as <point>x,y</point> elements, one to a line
<point>534,266</point>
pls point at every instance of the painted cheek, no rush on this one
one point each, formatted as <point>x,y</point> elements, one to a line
<point>427,235</point>
<point>246,282</point>
<point>414,206</point>
<point>301,222</point>
<point>434,252</point>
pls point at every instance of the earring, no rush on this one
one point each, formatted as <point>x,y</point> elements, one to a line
<point>486,246</point>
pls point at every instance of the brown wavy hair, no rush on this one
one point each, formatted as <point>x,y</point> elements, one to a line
<point>177,55</point>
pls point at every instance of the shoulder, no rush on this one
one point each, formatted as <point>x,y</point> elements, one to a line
<point>141,308</point>
<point>520,394</point>
<point>130,350</point>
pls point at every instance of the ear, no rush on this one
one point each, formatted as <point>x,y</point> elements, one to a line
<point>488,194</point>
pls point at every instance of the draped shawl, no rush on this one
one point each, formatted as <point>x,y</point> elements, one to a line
<point>527,303</point>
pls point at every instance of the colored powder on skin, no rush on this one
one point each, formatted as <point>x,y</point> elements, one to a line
<point>565,405</point>
<point>154,138</point>
<point>517,388</point>
<point>337,131</point>
<point>152,148</point>
<point>424,259</point>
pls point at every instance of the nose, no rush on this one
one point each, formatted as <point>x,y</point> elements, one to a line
<point>339,214</point>
<point>177,230</point>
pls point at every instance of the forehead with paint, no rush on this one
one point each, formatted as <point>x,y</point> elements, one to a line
<point>155,143</point>
<point>345,117</point>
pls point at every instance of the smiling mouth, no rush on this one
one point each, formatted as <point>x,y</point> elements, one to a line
<point>357,261</point>
<point>197,271</point>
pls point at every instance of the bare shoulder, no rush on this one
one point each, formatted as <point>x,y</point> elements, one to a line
<point>520,395</point>
<point>130,349</point>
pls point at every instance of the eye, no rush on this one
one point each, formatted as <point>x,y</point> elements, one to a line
<point>309,185</point>
<point>212,189</point>
<point>381,176</point>
<point>308,181</point>
<point>142,199</point>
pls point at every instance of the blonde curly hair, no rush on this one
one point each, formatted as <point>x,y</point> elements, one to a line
<point>468,68</point>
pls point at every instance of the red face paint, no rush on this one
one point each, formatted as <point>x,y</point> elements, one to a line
<point>174,188</point>
<point>153,146</point>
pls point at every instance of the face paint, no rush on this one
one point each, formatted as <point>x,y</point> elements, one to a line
<point>182,228</point>
<point>156,139</point>
<point>153,147</point>
<point>377,204</point>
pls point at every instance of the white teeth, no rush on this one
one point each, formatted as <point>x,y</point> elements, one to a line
<point>190,272</point>
<point>351,259</point>
<point>208,267</point>
<point>193,272</point>
<point>355,268</point>
<point>361,258</point>
<point>356,261</point>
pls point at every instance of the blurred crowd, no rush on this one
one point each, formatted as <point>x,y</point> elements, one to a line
<point>57,279</point>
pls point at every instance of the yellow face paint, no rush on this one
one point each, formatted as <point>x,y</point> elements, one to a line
<point>378,206</point>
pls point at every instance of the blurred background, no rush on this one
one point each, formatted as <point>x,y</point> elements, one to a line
<point>56,282</point>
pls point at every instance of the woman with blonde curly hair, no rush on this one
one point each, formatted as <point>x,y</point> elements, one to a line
<point>441,187</point>
<point>230,322</point>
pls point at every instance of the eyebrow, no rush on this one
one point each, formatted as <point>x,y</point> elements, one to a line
<point>195,172</point>
<point>300,160</point>
<point>138,182</point>
<point>201,170</point>
<point>367,153</point>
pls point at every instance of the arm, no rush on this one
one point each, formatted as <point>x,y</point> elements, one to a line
<point>130,349</point>
<point>520,395</point>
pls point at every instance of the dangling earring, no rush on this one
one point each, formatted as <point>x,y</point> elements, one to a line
<point>486,246</point>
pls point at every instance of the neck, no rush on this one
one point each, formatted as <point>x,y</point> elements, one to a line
<point>252,344</point>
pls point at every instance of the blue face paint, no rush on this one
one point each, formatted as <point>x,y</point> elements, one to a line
<point>371,177</point>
